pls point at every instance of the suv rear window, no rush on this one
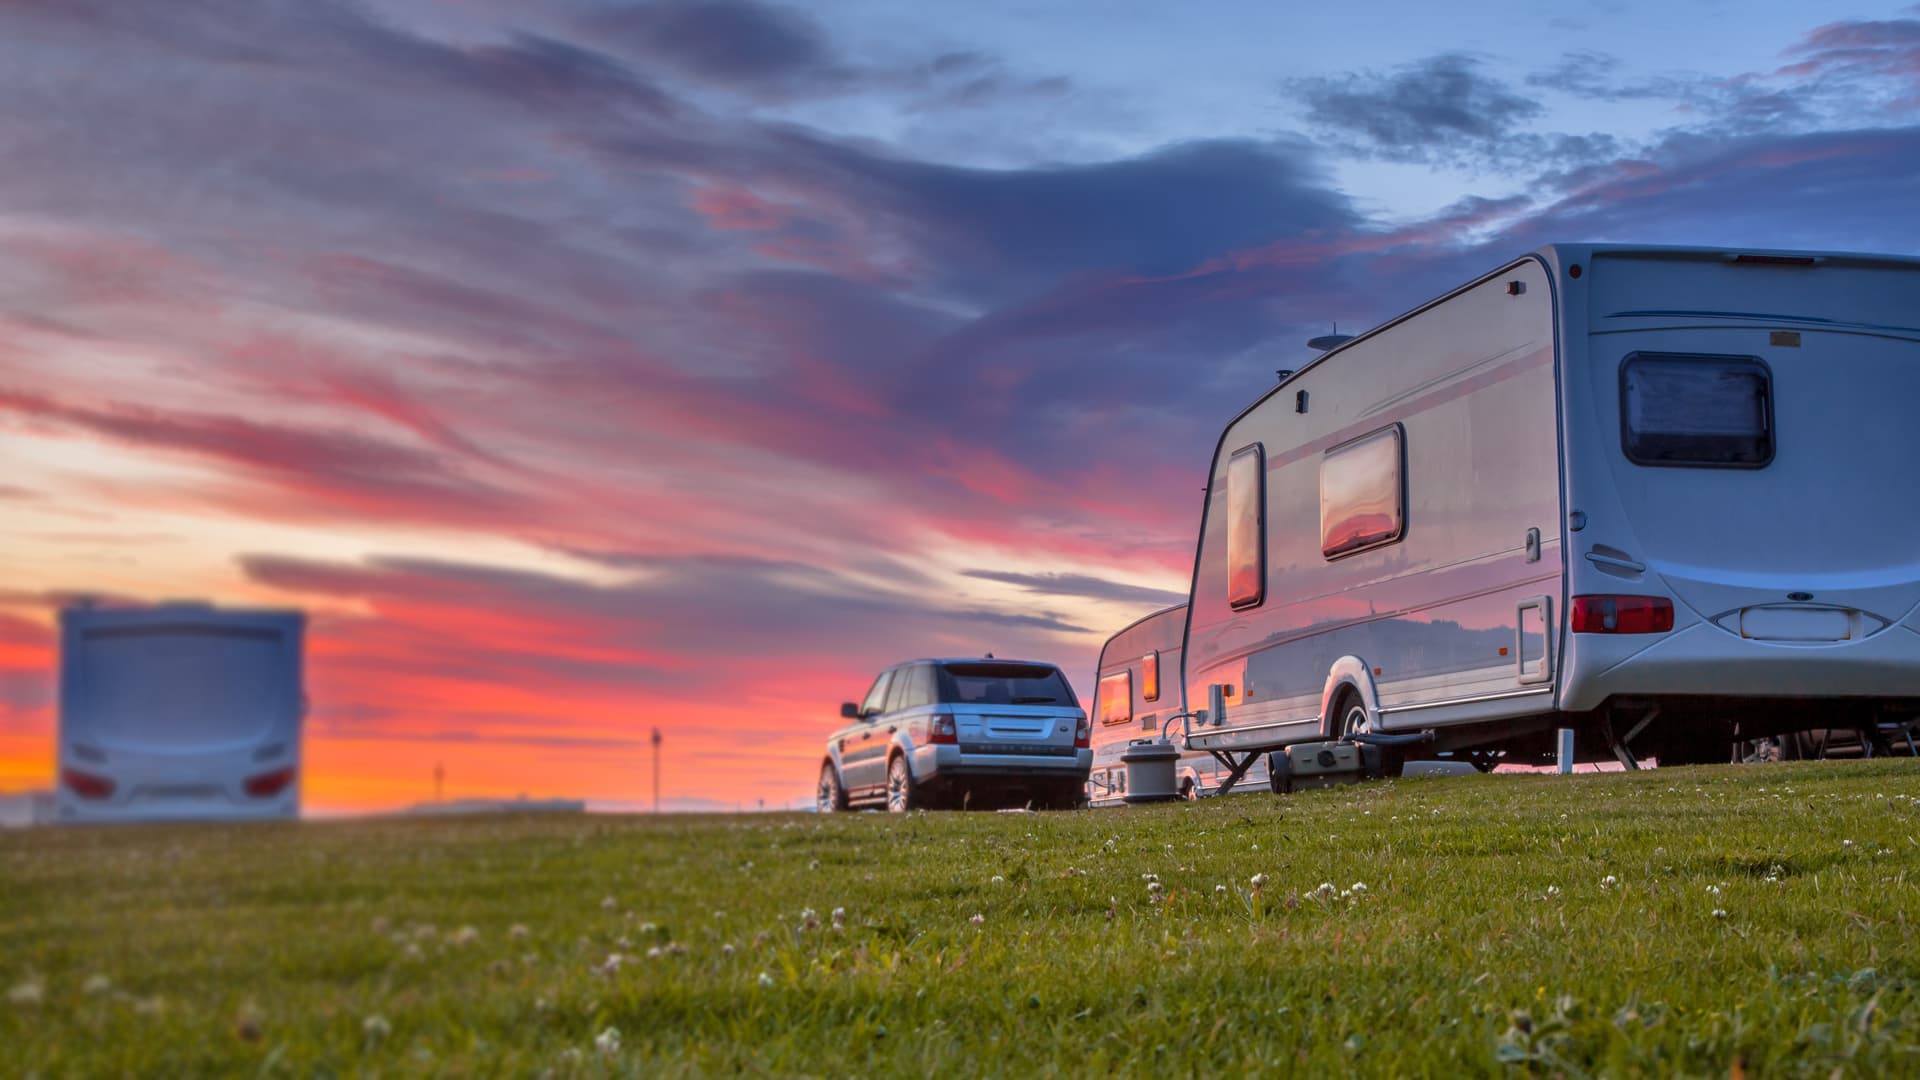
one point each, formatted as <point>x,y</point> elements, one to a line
<point>1684,409</point>
<point>1004,684</point>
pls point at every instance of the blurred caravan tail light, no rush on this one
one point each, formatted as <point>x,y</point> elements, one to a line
<point>268,784</point>
<point>941,730</point>
<point>1082,733</point>
<point>1622,615</point>
<point>87,785</point>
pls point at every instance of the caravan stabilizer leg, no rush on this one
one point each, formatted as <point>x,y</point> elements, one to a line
<point>1619,745</point>
<point>1235,769</point>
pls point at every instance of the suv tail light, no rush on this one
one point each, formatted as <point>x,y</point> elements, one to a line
<point>1082,733</point>
<point>269,784</point>
<point>87,785</point>
<point>1622,614</point>
<point>941,730</point>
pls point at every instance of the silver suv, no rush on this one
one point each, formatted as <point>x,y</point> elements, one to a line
<point>960,733</point>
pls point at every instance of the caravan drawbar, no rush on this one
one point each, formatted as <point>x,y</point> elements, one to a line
<point>1660,496</point>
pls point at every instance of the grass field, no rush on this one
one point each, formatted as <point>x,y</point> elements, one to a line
<point>1751,919</point>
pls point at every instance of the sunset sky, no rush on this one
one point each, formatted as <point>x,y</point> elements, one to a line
<point>584,368</point>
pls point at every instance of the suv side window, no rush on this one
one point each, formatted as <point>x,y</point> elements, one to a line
<point>877,697</point>
<point>919,688</point>
<point>900,695</point>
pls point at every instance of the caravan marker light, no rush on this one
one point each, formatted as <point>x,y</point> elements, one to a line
<point>87,785</point>
<point>267,785</point>
<point>1622,615</point>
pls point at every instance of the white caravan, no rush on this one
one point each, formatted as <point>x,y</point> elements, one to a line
<point>1136,691</point>
<point>1663,497</point>
<point>179,711</point>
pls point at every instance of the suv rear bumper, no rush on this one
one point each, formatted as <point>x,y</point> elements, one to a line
<point>934,764</point>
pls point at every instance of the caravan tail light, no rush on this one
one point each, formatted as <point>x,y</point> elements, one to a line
<point>87,785</point>
<point>268,784</point>
<point>1082,733</point>
<point>1622,614</point>
<point>941,730</point>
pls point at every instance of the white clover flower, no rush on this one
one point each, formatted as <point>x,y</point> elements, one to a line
<point>1155,887</point>
<point>766,979</point>
<point>466,935</point>
<point>1359,887</point>
<point>977,919</point>
<point>1553,890</point>
<point>727,949</point>
<point>1846,843</point>
<point>1149,877</point>
<point>1713,890</point>
<point>1325,891</point>
<point>608,903</point>
<point>998,880</point>
<point>839,916</point>
<point>518,931</point>
<point>1220,889</point>
<point>96,985</point>
<point>376,1027</point>
<point>612,963</point>
<point>814,865</point>
<point>654,953</point>
<point>30,992</point>
<point>1258,881</point>
<point>1719,913</point>
<point>1609,881</point>
<point>608,1041</point>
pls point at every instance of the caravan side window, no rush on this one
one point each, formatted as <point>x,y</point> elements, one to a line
<point>1116,698</point>
<point>1678,409</point>
<point>1363,493</point>
<point>1150,676</point>
<point>1246,527</point>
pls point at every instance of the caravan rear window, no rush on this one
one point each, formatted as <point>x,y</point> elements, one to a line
<point>1363,493</point>
<point>1685,409</point>
<point>1246,528</point>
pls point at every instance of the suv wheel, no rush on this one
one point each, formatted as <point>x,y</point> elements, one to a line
<point>901,795</point>
<point>830,796</point>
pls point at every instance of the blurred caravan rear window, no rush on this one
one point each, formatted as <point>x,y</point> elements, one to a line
<point>1703,411</point>
<point>991,683</point>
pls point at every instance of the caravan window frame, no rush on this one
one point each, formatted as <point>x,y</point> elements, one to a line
<point>1632,441</point>
<point>1398,433</point>
<point>1150,676</point>
<point>1237,564</point>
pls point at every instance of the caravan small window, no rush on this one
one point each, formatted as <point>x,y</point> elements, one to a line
<point>1150,676</point>
<point>1246,528</point>
<point>1116,698</point>
<point>1363,493</point>
<point>1711,411</point>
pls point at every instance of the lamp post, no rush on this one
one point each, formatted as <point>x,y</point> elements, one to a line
<point>656,770</point>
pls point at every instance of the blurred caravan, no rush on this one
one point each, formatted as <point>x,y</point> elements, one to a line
<point>1137,690</point>
<point>1659,497</point>
<point>179,711</point>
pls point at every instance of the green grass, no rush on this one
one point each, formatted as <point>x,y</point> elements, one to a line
<point>1487,940</point>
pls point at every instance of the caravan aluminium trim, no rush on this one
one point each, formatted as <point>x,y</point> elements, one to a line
<point>1650,490</point>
